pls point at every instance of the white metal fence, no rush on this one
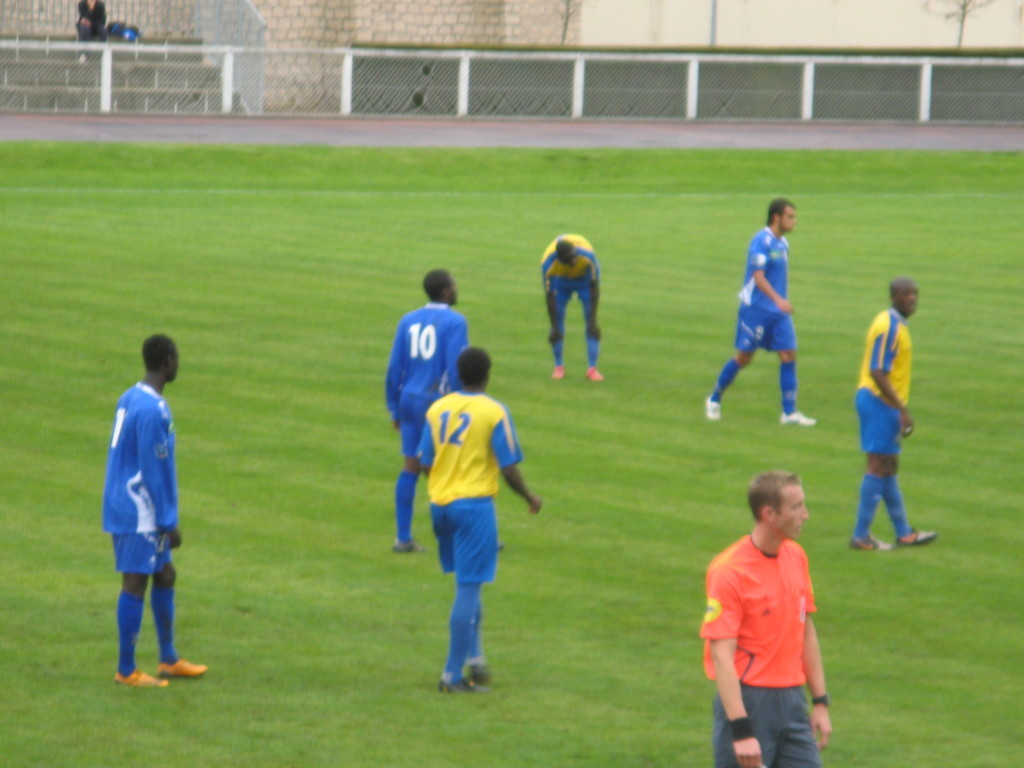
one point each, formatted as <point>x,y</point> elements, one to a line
<point>129,78</point>
<point>37,76</point>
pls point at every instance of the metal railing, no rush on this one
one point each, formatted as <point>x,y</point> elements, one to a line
<point>47,76</point>
<point>683,86</point>
<point>507,84</point>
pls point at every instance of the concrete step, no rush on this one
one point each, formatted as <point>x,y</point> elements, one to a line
<point>137,100</point>
<point>147,40</point>
<point>31,73</point>
<point>141,74</point>
<point>142,53</point>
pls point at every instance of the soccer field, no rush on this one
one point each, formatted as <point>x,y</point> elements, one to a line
<point>281,273</point>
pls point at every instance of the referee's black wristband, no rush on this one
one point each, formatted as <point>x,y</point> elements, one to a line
<point>742,728</point>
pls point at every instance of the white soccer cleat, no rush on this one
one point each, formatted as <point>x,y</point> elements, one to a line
<point>712,410</point>
<point>797,418</point>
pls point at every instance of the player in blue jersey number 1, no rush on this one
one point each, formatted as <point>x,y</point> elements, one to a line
<point>140,511</point>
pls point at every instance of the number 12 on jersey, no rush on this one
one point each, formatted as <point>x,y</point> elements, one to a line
<point>455,438</point>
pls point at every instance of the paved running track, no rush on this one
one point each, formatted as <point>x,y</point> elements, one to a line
<point>473,132</point>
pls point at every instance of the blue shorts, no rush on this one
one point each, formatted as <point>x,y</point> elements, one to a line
<point>879,424</point>
<point>564,291</point>
<point>141,552</point>
<point>412,416</point>
<point>467,539</point>
<point>767,330</point>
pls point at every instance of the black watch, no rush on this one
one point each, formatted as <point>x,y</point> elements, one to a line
<point>823,699</point>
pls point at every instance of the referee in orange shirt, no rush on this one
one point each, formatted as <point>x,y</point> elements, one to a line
<point>760,643</point>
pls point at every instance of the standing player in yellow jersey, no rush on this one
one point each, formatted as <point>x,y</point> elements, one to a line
<point>882,396</point>
<point>761,646</point>
<point>568,266</point>
<point>468,442</point>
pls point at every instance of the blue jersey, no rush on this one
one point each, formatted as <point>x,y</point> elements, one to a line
<point>769,254</point>
<point>141,492</point>
<point>424,354</point>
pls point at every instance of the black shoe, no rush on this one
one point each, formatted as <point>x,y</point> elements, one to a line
<point>870,543</point>
<point>407,546</point>
<point>463,686</point>
<point>479,674</point>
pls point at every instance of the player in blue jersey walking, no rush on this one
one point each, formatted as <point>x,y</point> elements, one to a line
<point>766,314</point>
<point>423,367</point>
<point>140,511</point>
<point>569,266</point>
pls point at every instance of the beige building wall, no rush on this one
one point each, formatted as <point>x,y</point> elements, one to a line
<point>798,24</point>
<point>640,23</point>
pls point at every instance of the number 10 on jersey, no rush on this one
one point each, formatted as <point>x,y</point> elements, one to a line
<point>422,341</point>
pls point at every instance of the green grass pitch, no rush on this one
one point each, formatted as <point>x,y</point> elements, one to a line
<point>281,273</point>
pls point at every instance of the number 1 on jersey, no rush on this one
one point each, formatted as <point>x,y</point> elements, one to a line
<point>118,423</point>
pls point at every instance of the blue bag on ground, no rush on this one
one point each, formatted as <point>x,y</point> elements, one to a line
<point>124,32</point>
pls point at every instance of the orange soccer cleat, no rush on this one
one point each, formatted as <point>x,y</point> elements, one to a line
<point>181,668</point>
<point>139,679</point>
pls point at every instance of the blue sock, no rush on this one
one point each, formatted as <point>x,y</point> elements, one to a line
<point>129,623</point>
<point>405,495</point>
<point>557,348</point>
<point>725,378</point>
<point>593,347</point>
<point>894,503</point>
<point>476,650</point>
<point>161,600</point>
<point>870,495</point>
<point>462,628</point>
<point>787,383</point>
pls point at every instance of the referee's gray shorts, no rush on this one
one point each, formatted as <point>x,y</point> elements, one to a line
<point>781,725</point>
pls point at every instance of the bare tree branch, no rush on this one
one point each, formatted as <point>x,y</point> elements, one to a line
<point>570,8</point>
<point>956,10</point>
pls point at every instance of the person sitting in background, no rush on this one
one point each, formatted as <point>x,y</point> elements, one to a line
<point>92,22</point>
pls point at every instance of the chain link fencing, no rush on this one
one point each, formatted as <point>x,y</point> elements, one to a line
<point>191,79</point>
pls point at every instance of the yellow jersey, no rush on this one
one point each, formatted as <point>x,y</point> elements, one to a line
<point>888,349</point>
<point>584,271</point>
<point>468,438</point>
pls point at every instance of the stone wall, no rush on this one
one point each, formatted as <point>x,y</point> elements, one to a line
<point>332,23</point>
<point>304,24</point>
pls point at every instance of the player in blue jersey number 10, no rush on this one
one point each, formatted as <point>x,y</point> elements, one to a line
<point>421,369</point>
